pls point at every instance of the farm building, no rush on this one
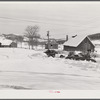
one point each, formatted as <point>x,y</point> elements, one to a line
<point>13,44</point>
<point>52,44</point>
<point>7,43</point>
<point>79,43</point>
<point>96,43</point>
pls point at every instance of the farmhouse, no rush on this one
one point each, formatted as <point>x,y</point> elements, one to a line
<point>7,43</point>
<point>79,43</point>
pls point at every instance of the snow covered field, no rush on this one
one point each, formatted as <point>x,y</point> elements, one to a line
<point>33,70</point>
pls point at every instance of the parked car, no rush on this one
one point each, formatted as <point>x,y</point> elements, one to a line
<point>51,53</point>
<point>62,56</point>
<point>80,56</point>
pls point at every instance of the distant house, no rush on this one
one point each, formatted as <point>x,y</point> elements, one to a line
<point>52,44</point>
<point>60,41</point>
<point>7,43</point>
<point>79,43</point>
<point>96,43</point>
<point>41,41</point>
<point>13,44</point>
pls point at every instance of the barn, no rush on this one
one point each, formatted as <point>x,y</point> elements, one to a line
<point>79,43</point>
<point>52,44</point>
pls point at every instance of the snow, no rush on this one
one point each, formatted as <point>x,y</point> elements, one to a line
<point>96,41</point>
<point>5,41</point>
<point>32,69</point>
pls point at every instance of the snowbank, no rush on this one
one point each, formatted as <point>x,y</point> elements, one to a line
<point>37,61</point>
<point>29,69</point>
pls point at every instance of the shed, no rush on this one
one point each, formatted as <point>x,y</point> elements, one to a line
<point>13,44</point>
<point>52,45</point>
<point>79,43</point>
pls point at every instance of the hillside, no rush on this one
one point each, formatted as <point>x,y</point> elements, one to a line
<point>94,36</point>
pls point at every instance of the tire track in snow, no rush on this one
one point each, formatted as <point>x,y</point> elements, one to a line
<point>31,73</point>
<point>14,87</point>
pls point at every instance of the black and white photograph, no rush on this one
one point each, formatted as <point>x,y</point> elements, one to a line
<point>49,45</point>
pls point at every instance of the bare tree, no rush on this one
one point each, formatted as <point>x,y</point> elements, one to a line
<point>20,39</point>
<point>32,34</point>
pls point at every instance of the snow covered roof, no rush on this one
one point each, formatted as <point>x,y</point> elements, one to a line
<point>96,41</point>
<point>52,42</point>
<point>42,40</point>
<point>76,40</point>
<point>5,41</point>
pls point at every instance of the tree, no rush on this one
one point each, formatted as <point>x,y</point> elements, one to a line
<point>20,38</point>
<point>32,34</point>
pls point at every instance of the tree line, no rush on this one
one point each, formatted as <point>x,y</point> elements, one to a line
<point>95,36</point>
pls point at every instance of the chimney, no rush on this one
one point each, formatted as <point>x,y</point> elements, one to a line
<point>74,36</point>
<point>66,37</point>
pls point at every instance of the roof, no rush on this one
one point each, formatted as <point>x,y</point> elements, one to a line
<point>74,42</point>
<point>53,41</point>
<point>96,42</point>
<point>5,41</point>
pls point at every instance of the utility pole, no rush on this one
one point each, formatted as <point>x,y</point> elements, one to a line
<point>48,40</point>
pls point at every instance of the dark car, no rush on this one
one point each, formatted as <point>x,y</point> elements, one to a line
<point>51,53</point>
<point>80,56</point>
<point>62,56</point>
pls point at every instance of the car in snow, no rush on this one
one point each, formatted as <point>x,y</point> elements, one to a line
<point>51,53</point>
<point>80,56</point>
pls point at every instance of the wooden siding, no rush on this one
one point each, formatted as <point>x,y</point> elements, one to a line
<point>86,45</point>
<point>52,46</point>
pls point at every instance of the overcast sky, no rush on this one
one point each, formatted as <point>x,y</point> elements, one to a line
<point>60,18</point>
